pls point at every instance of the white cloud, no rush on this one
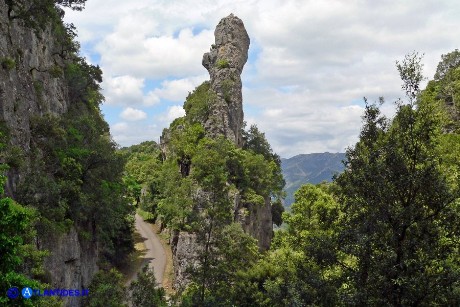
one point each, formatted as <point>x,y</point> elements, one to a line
<point>151,99</point>
<point>120,127</point>
<point>123,90</point>
<point>142,54</point>
<point>310,64</point>
<point>132,114</point>
<point>174,112</point>
<point>301,124</point>
<point>134,133</point>
<point>175,90</point>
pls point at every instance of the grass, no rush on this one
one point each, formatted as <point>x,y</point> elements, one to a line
<point>147,216</point>
<point>223,63</point>
<point>8,63</point>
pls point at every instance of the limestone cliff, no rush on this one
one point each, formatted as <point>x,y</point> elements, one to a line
<point>26,86</point>
<point>32,85</point>
<point>224,117</point>
<point>225,64</point>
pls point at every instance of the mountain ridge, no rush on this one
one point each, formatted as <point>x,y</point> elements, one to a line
<point>309,168</point>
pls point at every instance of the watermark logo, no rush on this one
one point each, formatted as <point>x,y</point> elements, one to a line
<point>12,293</point>
<point>26,292</point>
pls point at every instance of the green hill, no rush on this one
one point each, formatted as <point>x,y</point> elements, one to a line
<point>309,168</point>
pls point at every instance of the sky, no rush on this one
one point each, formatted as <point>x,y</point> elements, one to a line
<point>310,62</point>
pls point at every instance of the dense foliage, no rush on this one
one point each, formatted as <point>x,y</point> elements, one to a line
<point>145,291</point>
<point>386,232</point>
<point>192,183</point>
<point>71,175</point>
<point>106,289</point>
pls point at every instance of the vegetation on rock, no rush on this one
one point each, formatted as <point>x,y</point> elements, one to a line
<point>384,232</point>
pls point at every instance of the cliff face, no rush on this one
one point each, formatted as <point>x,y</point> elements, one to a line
<point>26,85</point>
<point>225,63</point>
<point>32,85</point>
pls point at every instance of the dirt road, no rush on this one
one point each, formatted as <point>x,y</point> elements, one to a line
<point>155,255</point>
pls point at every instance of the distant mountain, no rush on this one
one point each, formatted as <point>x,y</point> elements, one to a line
<point>309,168</point>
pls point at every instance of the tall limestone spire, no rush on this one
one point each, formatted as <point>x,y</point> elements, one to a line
<point>225,62</point>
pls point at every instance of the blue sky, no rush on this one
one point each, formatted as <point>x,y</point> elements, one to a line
<point>310,62</point>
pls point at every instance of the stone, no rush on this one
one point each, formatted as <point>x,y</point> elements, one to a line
<point>29,90</point>
<point>225,62</point>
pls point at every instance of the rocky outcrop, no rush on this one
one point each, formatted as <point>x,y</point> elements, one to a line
<point>32,85</point>
<point>185,250</point>
<point>225,63</point>
<point>256,220</point>
<point>72,263</point>
<point>27,88</point>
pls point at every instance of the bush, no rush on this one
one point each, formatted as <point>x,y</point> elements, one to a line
<point>56,71</point>
<point>144,291</point>
<point>8,63</point>
<point>106,289</point>
<point>223,64</point>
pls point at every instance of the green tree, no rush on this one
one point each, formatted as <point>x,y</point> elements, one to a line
<point>301,267</point>
<point>277,212</point>
<point>197,103</point>
<point>255,141</point>
<point>211,172</point>
<point>106,289</point>
<point>145,291</point>
<point>142,175</point>
<point>175,206</point>
<point>394,232</point>
<point>233,252</point>
<point>21,265</point>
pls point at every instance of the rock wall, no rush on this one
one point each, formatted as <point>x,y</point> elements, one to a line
<point>72,263</point>
<point>185,249</point>
<point>256,220</point>
<point>30,85</point>
<point>225,63</point>
<point>26,86</point>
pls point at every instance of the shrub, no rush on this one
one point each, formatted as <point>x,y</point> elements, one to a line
<point>8,63</point>
<point>56,71</point>
<point>223,64</point>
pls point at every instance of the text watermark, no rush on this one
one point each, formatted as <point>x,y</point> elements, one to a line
<point>28,292</point>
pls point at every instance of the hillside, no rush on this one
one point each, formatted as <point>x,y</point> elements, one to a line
<point>309,168</point>
<point>63,214</point>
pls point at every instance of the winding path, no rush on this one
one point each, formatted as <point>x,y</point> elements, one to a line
<point>155,255</point>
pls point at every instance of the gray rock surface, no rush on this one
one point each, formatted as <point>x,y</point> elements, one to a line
<point>185,250</point>
<point>225,62</point>
<point>29,89</point>
<point>256,220</point>
<point>72,263</point>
